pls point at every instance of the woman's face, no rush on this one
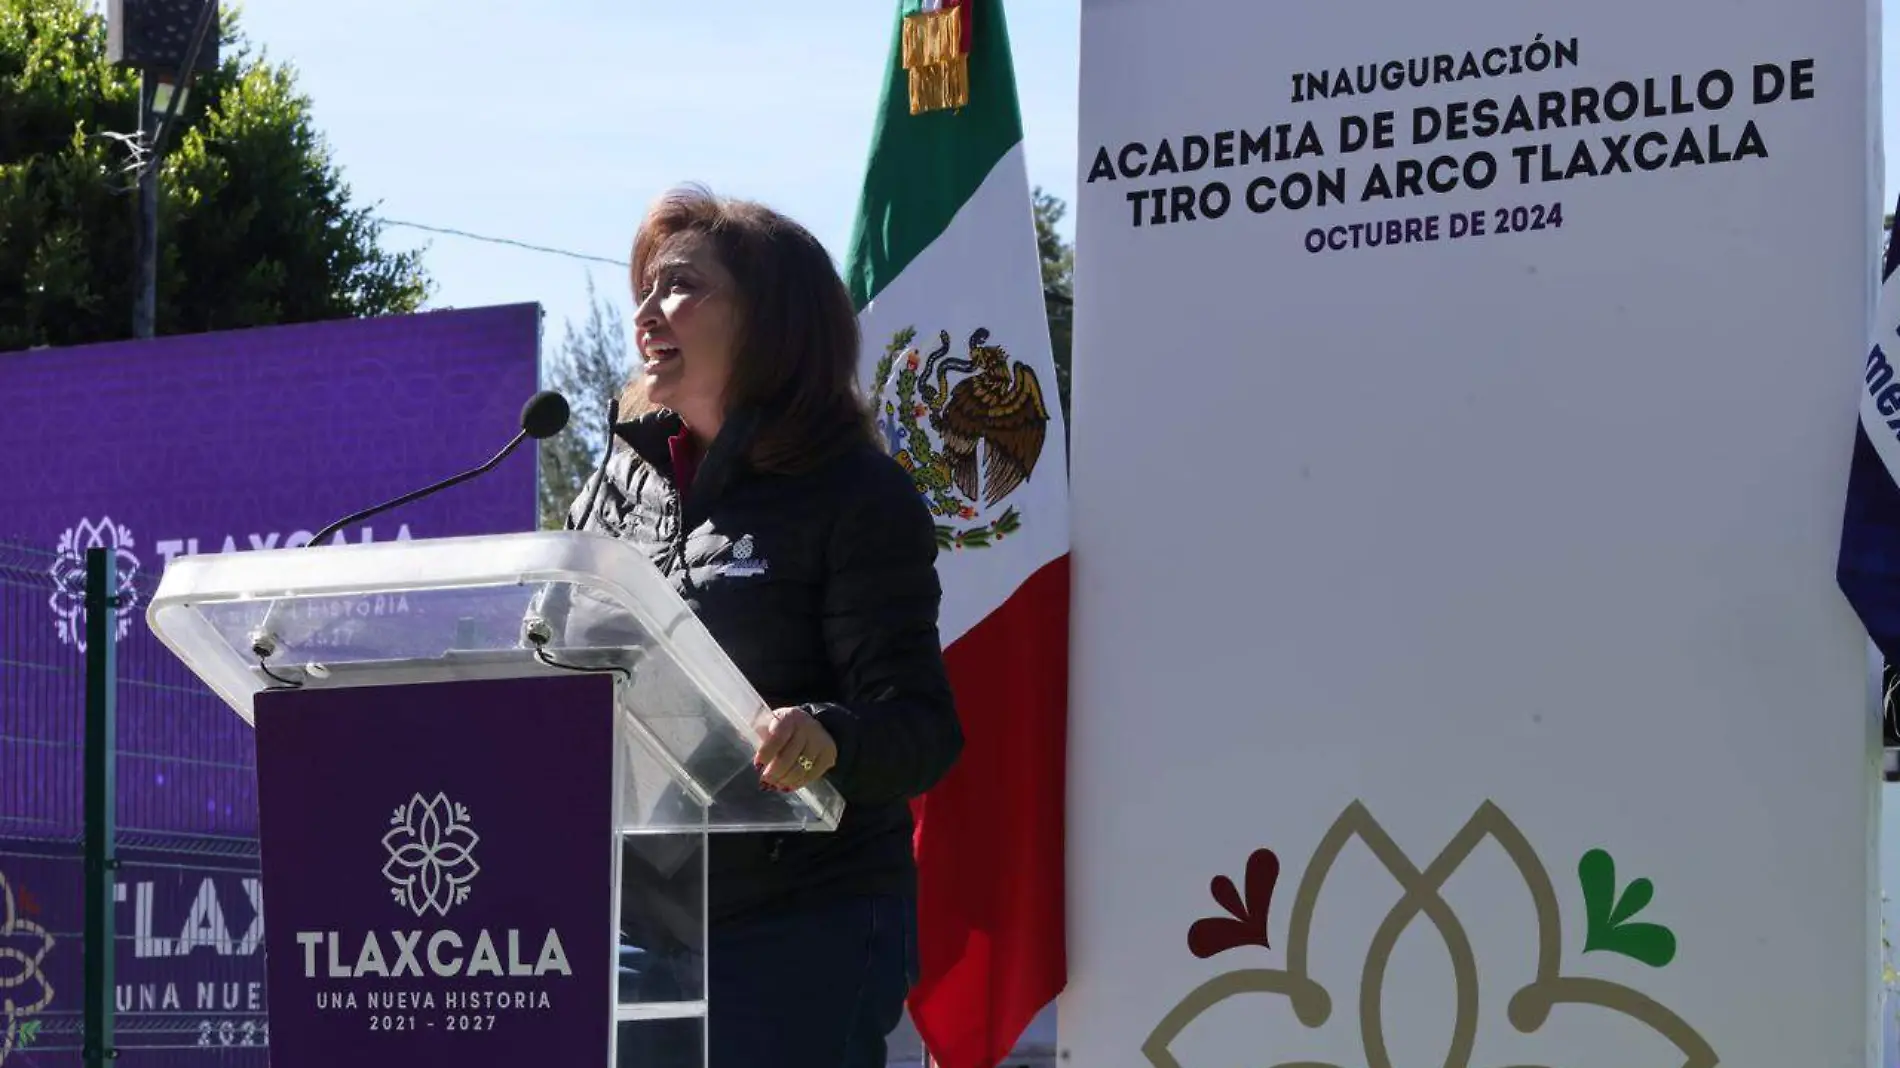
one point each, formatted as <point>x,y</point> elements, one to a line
<point>685,322</point>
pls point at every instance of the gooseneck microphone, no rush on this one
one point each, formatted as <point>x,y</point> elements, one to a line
<point>552,599</point>
<point>606,454</point>
<point>543,416</point>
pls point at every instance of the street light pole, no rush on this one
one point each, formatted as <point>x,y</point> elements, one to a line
<point>145,276</point>
<point>167,41</point>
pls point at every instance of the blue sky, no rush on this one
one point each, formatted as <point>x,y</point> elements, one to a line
<point>556,127</point>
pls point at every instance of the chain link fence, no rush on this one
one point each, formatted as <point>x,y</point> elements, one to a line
<point>188,939</point>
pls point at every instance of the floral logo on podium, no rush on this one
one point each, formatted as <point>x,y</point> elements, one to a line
<point>24,989</point>
<point>68,572</point>
<point>1611,930</point>
<point>431,854</point>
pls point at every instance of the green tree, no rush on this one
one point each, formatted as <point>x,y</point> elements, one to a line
<point>255,221</point>
<point>589,371</point>
<point>1058,287</point>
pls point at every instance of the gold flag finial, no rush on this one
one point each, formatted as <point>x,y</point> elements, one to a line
<point>939,67</point>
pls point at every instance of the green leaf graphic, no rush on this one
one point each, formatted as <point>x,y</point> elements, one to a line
<point>1609,927</point>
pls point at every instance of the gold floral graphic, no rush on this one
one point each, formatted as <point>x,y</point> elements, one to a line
<point>1527,1009</point>
<point>24,989</point>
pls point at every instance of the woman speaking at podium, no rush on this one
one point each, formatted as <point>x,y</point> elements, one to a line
<point>752,477</point>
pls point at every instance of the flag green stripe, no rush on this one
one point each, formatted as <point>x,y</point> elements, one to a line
<point>924,167</point>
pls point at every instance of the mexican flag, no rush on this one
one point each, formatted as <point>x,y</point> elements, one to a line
<point>944,268</point>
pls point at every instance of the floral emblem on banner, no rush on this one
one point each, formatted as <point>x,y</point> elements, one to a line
<point>431,854</point>
<point>68,572</point>
<point>967,444</point>
<point>1610,928</point>
<point>24,988</point>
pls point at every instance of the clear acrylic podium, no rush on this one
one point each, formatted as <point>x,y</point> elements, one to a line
<point>360,626</point>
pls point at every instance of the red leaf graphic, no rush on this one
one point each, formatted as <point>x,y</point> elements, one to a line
<point>1248,927</point>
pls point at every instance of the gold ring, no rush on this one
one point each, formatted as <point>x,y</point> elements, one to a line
<point>806,763</point>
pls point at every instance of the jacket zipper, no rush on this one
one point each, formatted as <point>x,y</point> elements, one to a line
<point>676,557</point>
<point>679,556</point>
<point>676,506</point>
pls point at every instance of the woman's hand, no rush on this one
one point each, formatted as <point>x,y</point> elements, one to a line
<point>794,749</point>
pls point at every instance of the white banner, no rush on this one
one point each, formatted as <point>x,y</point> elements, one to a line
<point>1463,411</point>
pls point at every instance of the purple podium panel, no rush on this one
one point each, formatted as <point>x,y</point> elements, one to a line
<point>439,863</point>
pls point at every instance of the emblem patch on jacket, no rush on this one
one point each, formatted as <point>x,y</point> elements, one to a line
<point>744,563</point>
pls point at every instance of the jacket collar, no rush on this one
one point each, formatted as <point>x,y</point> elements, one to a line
<point>647,435</point>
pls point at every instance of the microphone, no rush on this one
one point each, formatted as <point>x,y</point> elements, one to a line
<point>607,453</point>
<point>543,416</point>
<point>552,600</point>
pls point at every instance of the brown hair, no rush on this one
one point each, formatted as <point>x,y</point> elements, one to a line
<point>797,358</point>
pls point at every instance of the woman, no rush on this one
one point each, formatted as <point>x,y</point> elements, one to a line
<point>752,478</point>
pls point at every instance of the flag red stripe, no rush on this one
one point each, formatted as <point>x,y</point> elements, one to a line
<point>990,836</point>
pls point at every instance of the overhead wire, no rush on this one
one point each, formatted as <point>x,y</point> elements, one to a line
<point>509,241</point>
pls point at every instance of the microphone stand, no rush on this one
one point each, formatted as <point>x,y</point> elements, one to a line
<point>375,509</point>
<point>264,640</point>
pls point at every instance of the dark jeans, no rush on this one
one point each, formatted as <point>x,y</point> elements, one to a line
<point>814,988</point>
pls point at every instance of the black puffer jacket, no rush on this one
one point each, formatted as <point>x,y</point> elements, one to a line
<point>841,618</point>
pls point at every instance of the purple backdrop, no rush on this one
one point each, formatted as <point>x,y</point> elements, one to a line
<point>206,443</point>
